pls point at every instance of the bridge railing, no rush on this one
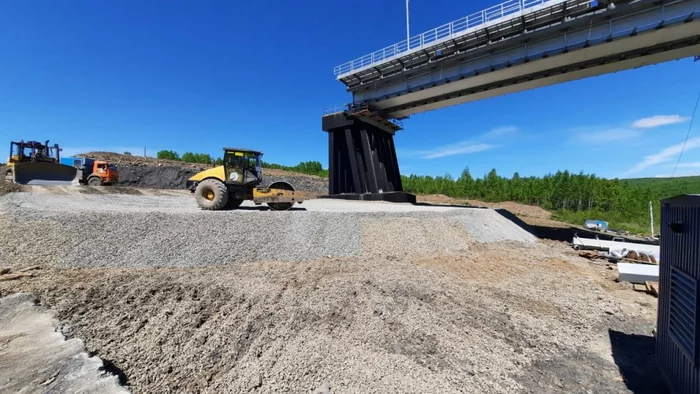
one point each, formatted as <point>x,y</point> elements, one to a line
<point>496,13</point>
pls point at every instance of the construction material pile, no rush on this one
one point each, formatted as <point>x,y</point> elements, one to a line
<point>148,172</point>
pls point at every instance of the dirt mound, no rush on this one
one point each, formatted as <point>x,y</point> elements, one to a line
<point>6,187</point>
<point>521,210</point>
<point>149,172</point>
<point>9,188</point>
<point>500,320</point>
<point>155,177</point>
<point>117,158</point>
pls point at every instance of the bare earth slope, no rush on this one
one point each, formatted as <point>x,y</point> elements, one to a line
<point>148,172</point>
<point>428,301</point>
<point>496,321</point>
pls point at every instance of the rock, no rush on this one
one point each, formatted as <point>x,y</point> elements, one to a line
<point>255,381</point>
<point>324,388</point>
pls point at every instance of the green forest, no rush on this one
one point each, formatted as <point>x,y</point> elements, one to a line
<point>572,198</point>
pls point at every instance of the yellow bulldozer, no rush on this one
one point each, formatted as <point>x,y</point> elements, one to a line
<point>36,163</point>
<point>237,180</point>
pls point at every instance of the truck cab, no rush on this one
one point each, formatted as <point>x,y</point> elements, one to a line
<point>107,172</point>
<point>93,172</point>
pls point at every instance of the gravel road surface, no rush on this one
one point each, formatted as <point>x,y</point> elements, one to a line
<point>127,230</point>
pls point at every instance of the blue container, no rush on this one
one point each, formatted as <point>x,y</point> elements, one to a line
<point>596,224</point>
<point>77,162</point>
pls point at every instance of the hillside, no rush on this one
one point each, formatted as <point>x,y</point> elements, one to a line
<point>150,172</point>
<point>668,186</point>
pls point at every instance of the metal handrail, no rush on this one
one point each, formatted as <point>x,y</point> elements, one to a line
<point>442,33</point>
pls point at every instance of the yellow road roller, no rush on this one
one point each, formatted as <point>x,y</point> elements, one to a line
<point>237,180</point>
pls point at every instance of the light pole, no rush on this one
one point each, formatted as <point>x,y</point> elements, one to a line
<point>408,28</point>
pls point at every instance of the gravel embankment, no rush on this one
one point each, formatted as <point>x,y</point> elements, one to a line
<point>127,230</point>
<point>499,319</point>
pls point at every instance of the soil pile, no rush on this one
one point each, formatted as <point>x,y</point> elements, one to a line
<point>501,319</point>
<point>149,172</point>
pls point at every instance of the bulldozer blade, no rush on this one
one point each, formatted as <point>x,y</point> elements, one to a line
<point>40,173</point>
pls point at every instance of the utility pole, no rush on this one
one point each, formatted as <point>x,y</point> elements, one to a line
<point>408,28</point>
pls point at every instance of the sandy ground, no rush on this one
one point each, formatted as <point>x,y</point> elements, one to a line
<point>503,317</point>
<point>521,210</point>
<point>34,358</point>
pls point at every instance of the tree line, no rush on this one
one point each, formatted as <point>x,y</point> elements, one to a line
<point>571,197</point>
<point>306,167</point>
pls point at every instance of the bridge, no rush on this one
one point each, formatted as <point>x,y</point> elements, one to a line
<point>511,47</point>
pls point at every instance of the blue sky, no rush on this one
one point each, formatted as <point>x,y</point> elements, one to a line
<point>200,75</point>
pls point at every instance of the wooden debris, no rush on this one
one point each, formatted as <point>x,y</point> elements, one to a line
<point>589,254</point>
<point>32,268</point>
<point>652,288</point>
<point>640,287</point>
<point>18,275</point>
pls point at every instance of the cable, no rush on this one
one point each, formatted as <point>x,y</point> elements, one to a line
<point>687,134</point>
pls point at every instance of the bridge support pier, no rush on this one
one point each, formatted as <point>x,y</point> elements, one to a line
<point>362,159</point>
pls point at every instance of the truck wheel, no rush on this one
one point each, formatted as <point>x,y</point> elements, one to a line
<point>211,195</point>
<point>234,203</point>
<point>95,181</point>
<point>9,177</point>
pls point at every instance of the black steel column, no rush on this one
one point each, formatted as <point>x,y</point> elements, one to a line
<point>362,161</point>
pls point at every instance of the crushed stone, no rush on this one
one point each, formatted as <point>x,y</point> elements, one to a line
<point>138,230</point>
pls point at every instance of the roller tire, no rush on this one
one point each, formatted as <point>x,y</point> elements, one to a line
<point>218,200</point>
<point>281,206</point>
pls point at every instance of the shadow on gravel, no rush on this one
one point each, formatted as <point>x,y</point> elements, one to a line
<point>109,367</point>
<point>563,234</point>
<point>634,356</point>
<point>262,208</point>
<point>511,216</point>
<point>427,204</point>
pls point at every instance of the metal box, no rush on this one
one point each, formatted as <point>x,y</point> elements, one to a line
<point>677,342</point>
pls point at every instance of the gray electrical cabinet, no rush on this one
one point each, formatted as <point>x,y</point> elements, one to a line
<point>677,347</point>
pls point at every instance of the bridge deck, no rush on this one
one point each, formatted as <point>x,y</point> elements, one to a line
<point>501,20</point>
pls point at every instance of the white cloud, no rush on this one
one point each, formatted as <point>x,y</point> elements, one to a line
<point>658,120</point>
<point>665,155</point>
<point>478,144</point>
<point>500,132</point>
<point>460,148</point>
<point>596,136</point>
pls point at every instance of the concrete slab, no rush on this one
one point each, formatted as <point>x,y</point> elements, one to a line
<point>34,358</point>
<point>638,273</point>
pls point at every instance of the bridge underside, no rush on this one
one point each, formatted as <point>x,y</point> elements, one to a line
<point>523,55</point>
<point>570,65</point>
